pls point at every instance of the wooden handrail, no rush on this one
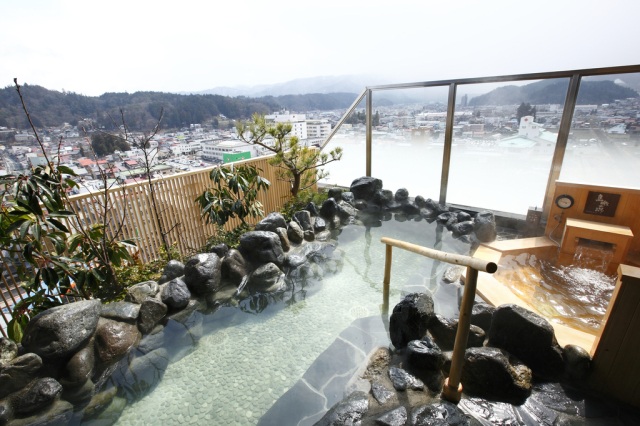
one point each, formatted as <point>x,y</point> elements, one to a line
<point>452,390</point>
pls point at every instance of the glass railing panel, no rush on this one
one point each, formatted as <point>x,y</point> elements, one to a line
<point>408,139</point>
<point>351,137</point>
<point>603,147</point>
<point>503,143</point>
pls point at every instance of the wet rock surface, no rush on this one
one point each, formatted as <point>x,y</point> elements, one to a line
<point>349,411</point>
<point>492,374</point>
<point>529,337</point>
<point>262,247</point>
<point>173,269</point>
<point>59,331</point>
<point>410,319</point>
<point>202,273</point>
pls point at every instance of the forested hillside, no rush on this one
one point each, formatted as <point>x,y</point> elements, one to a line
<point>554,92</point>
<point>142,109</point>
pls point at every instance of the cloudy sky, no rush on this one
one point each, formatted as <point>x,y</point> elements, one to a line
<point>97,46</point>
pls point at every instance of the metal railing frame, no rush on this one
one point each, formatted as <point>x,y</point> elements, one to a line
<point>452,389</point>
<point>574,76</point>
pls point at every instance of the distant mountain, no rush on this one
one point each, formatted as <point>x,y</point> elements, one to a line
<point>301,86</point>
<point>49,108</point>
<point>554,92</point>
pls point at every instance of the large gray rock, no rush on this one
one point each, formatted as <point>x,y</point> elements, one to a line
<point>485,226</point>
<point>114,339</point>
<point>121,311</point>
<point>271,222</point>
<point>151,312</point>
<point>347,412</point>
<point>175,294</point>
<point>577,362</point>
<point>491,373</point>
<point>267,278</point>
<point>335,193</point>
<point>284,239</point>
<point>202,273</point>
<point>365,187</point>
<point>395,417</point>
<point>303,218</point>
<point>401,195</point>
<point>410,319</point>
<point>295,233</point>
<point>234,267</point>
<point>438,414</point>
<point>319,225</point>
<point>384,197</point>
<point>329,208</point>
<point>348,197</point>
<point>481,315</point>
<point>463,228</point>
<point>381,393</point>
<point>424,355</point>
<point>530,338</point>
<point>260,247</point>
<point>36,396</point>
<point>80,366</point>
<point>59,331</point>
<point>8,350</point>
<point>444,332</point>
<point>79,395</point>
<point>402,380</point>
<point>312,208</point>
<point>18,372</point>
<point>173,269</point>
<point>346,211</point>
<point>139,292</point>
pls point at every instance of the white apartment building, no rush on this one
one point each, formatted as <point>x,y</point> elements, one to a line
<point>298,122</point>
<point>318,129</point>
<point>182,148</point>
<point>217,150</point>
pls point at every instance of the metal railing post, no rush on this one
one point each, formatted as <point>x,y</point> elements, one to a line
<point>448,142</point>
<point>369,137</point>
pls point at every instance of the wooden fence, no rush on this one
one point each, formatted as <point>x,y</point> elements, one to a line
<point>131,205</point>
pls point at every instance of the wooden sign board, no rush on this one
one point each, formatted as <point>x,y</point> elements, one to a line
<point>601,203</point>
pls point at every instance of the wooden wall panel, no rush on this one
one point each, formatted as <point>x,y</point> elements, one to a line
<point>627,212</point>
<point>616,371</point>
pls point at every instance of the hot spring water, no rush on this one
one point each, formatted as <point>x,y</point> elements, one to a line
<point>576,295</point>
<point>250,355</point>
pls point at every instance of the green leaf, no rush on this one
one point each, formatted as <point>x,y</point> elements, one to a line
<point>57,224</point>
<point>96,273</point>
<point>15,330</point>
<point>61,213</point>
<point>36,229</point>
<point>15,225</point>
<point>24,229</point>
<point>50,277</point>
<point>67,170</point>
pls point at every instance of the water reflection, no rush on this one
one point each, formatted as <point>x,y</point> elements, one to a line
<point>576,295</point>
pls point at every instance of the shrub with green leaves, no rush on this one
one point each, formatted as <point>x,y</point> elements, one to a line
<point>298,164</point>
<point>67,258</point>
<point>234,194</point>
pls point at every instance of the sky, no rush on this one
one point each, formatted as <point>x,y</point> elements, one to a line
<point>93,47</point>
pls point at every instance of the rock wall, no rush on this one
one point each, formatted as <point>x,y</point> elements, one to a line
<point>87,360</point>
